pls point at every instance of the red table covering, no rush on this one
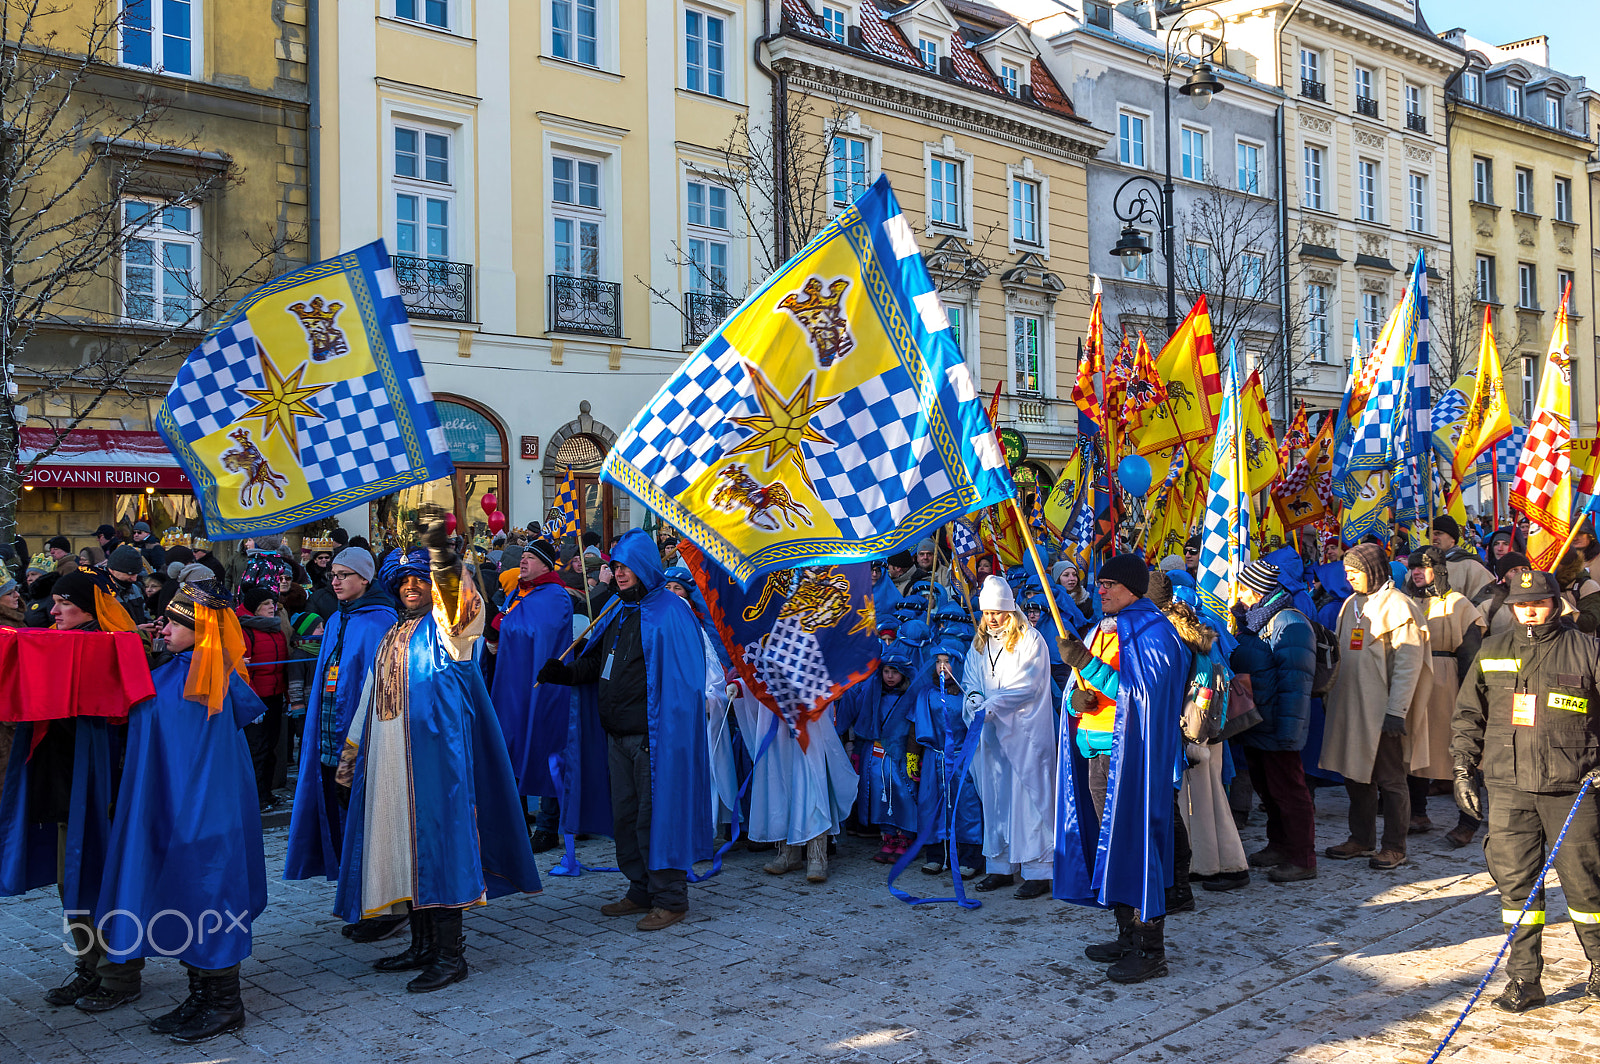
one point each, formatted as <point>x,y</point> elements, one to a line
<point>50,675</point>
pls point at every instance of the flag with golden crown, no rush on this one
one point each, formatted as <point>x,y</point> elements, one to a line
<point>1488,415</point>
<point>306,399</point>
<point>1188,366</point>
<point>1092,364</point>
<point>1543,487</point>
<point>831,417</point>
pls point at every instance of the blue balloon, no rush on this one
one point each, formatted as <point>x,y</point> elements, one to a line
<point>1133,473</point>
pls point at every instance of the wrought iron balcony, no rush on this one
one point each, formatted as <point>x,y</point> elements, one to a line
<point>434,288</point>
<point>703,312</point>
<point>1416,122</point>
<point>1313,90</point>
<point>585,305</point>
<point>1366,105</point>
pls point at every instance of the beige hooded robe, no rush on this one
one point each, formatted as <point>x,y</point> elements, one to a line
<point>1391,672</point>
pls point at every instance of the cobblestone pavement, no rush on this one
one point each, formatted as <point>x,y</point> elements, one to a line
<point>1354,966</point>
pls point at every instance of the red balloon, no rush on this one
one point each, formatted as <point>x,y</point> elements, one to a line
<point>489,503</point>
<point>450,524</point>
<point>497,522</point>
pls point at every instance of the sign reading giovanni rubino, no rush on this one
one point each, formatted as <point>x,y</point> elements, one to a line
<point>306,399</point>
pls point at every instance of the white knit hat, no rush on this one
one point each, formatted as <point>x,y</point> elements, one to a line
<point>996,595</point>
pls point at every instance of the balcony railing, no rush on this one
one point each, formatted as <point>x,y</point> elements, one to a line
<point>703,312</point>
<point>1416,122</point>
<point>585,305</point>
<point>1313,90</point>
<point>434,288</point>
<point>1031,411</point>
<point>1366,105</point>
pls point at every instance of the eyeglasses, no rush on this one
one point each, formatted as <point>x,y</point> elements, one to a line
<point>1106,585</point>
<point>341,576</point>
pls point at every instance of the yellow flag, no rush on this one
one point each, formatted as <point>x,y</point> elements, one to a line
<point>1543,487</point>
<point>1063,498</point>
<point>1271,533</point>
<point>1260,443</point>
<point>1488,416</point>
<point>1188,367</point>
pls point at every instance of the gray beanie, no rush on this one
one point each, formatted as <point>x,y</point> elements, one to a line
<point>126,559</point>
<point>926,544</point>
<point>1171,563</point>
<point>7,586</point>
<point>357,561</point>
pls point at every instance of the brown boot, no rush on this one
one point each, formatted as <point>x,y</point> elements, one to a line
<point>1348,850</point>
<point>789,858</point>
<point>656,919</point>
<point>817,860</point>
<point>1384,860</point>
<point>625,907</point>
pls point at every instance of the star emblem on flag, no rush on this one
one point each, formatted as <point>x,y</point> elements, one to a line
<point>783,424</point>
<point>281,401</point>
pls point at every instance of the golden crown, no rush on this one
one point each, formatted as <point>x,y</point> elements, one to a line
<point>174,537</point>
<point>815,300</point>
<point>319,545</point>
<point>316,310</point>
<point>200,543</point>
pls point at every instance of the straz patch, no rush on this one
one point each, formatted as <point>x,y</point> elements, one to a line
<point>1570,703</point>
<point>1357,638</point>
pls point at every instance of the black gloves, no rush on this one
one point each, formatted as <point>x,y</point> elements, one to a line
<point>1393,725</point>
<point>1084,701</point>
<point>431,533</point>
<point>1468,800</point>
<point>1073,650</point>
<point>556,671</point>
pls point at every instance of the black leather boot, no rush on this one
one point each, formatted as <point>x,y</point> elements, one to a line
<point>449,964</point>
<point>1106,952</point>
<point>422,951</point>
<point>220,1009</point>
<point>1520,995</point>
<point>83,981</point>
<point>1148,957</point>
<point>186,1010</point>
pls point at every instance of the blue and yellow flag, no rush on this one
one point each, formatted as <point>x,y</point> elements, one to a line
<point>1225,533</point>
<point>306,399</point>
<point>830,419</point>
<point>569,507</point>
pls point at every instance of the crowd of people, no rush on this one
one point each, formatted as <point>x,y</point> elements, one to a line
<point>1094,736</point>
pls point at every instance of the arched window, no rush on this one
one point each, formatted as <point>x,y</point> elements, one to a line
<point>586,454</point>
<point>477,442</point>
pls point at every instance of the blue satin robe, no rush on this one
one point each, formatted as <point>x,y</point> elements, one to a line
<point>534,721</point>
<point>28,850</point>
<point>940,725</point>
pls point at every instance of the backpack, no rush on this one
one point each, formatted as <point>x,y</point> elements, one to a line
<point>1205,703</point>
<point>1327,651</point>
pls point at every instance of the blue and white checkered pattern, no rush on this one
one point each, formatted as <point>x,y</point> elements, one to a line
<point>1447,408</point>
<point>687,426</point>
<point>205,395</point>
<point>1508,453</point>
<point>964,539</point>
<point>1225,529</point>
<point>356,442</point>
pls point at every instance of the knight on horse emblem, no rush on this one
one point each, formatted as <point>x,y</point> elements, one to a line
<point>763,504</point>
<point>259,474</point>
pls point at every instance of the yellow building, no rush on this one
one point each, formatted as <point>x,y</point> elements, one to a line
<point>1521,226</point>
<point>953,102</point>
<point>188,188</point>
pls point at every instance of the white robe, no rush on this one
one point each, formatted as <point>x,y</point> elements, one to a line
<point>795,795</point>
<point>1015,765</point>
<point>719,737</point>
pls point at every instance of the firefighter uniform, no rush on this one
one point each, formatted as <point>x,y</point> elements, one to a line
<point>1528,718</point>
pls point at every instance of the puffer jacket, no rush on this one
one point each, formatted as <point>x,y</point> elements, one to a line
<point>1281,660</point>
<point>268,651</point>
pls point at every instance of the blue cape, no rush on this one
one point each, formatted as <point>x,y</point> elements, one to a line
<point>941,728</point>
<point>1126,857</point>
<point>468,826</point>
<point>316,833</point>
<point>675,657</point>
<point>534,722</point>
<point>885,795</point>
<point>187,835</point>
<point>1292,578</point>
<point>27,849</point>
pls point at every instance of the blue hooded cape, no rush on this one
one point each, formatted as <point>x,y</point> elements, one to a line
<point>468,827</point>
<point>940,725</point>
<point>27,849</point>
<point>881,721</point>
<point>534,721</point>
<point>1126,857</point>
<point>315,832</point>
<point>680,762</point>
<point>185,852</point>
<point>1292,578</point>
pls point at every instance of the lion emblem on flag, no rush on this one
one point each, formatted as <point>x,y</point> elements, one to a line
<point>820,315</point>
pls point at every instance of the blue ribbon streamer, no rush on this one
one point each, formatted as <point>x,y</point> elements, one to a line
<point>569,865</point>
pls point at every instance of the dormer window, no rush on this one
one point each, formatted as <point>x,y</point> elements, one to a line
<point>1472,87</point>
<point>1011,78</point>
<point>1552,111</point>
<point>1514,99</point>
<point>928,48</point>
<point>833,22</point>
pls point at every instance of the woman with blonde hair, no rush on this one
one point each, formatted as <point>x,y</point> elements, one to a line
<point>1007,677</point>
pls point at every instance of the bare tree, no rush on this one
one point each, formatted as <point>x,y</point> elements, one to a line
<point>79,138</point>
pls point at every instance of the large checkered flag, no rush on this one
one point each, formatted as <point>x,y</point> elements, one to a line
<point>569,508</point>
<point>1225,534</point>
<point>1543,486</point>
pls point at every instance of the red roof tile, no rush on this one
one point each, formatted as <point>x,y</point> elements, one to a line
<point>1046,93</point>
<point>970,67</point>
<point>884,38</point>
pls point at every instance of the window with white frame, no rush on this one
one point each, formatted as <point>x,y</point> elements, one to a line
<point>1025,211</point>
<point>1530,386</point>
<point>1552,111</point>
<point>944,193</point>
<point>1249,166</point>
<point>577,215</point>
<point>956,315</point>
<point>1472,87</point>
<point>1417,203</point>
<point>849,169</point>
<point>1027,341</point>
<point>1563,199</point>
<point>1130,139</point>
<point>429,12</point>
<point>1371,314</point>
<point>1514,99</point>
<point>574,31</point>
<point>1193,144</point>
<point>1482,179</point>
<point>1317,321</point>
<point>1527,286</point>
<point>160,261</point>
<point>928,48</point>
<point>1367,190</point>
<point>833,22</point>
<point>1198,265</point>
<point>1252,274</point>
<point>1366,102</point>
<point>1524,190</point>
<point>424,192</point>
<point>705,52</point>
<point>1141,272</point>
<point>1311,178</point>
<point>1563,284</point>
<point>161,35</point>
<point>1485,279</point>
<point>1011,78</point>
<point>1414,100</point>
<point>1310,65</point>
<point>707,217</point>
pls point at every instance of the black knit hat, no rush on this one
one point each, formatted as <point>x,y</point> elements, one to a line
<point>544,550</point>
<point>254,595</point>
<point>77,587</point>
<point>59,543</point>
<point>1129,571</point>
<point>1447,524</point>
<point>902,560</point>
<point>1510,560</point>
<point>1192,545</point>
<point>126,559</point>
<point>1260,576</point>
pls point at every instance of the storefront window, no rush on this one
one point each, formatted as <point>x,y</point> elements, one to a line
<point>478,448</point>
<point>160,511</point>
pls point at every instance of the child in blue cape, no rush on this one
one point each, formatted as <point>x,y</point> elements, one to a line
<point>947,802</point>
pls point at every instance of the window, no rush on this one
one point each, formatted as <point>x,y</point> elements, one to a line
<point>704,59</point>
<point>1025,343</point>
<point>1311,194</point>
<point>929,50</point>
<point>1199,267</point>
<point>1524,190</point>
<point>432,12</point>
<point>1366,103</point>
<point>1514,100</point>
<point>423,192</point>
<point>1527,286</point>
<point>160,35</point>
<point>1367,189</point>
<point>1193,142</point>
<point>577,215</point>
<point>1414,99</point>
<point>707,216</point>
<point>1564,285</point>
<point>833,23</point>
<point>1563,199</point>
<point>1371,314</point>
<point>1252,274</point>
<point>1486,286</point>
<point>1417,203</point>
<point>1482,180</point>
<point>956,315</point>
<point>160,261</point>
<point>1472,88</point>
<point>1011,78</point>
<point>1552,111</point>
<point>1249,158</point>
<point>1311,75</point>
<point>1130,139</point>
<point>1530,386</point>
<point>1140,272</point>
<point>1025,211</point>
<point>944,193</point>
<point>1317,321</point>
<point>849,169</point>
<point>574,32</point>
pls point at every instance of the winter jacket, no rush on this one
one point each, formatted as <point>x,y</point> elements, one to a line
<point>1579,590</point>
<point>1280,659</point>
<point>268,651</point>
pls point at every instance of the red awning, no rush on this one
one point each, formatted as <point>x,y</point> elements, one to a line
<point>102,458</point>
